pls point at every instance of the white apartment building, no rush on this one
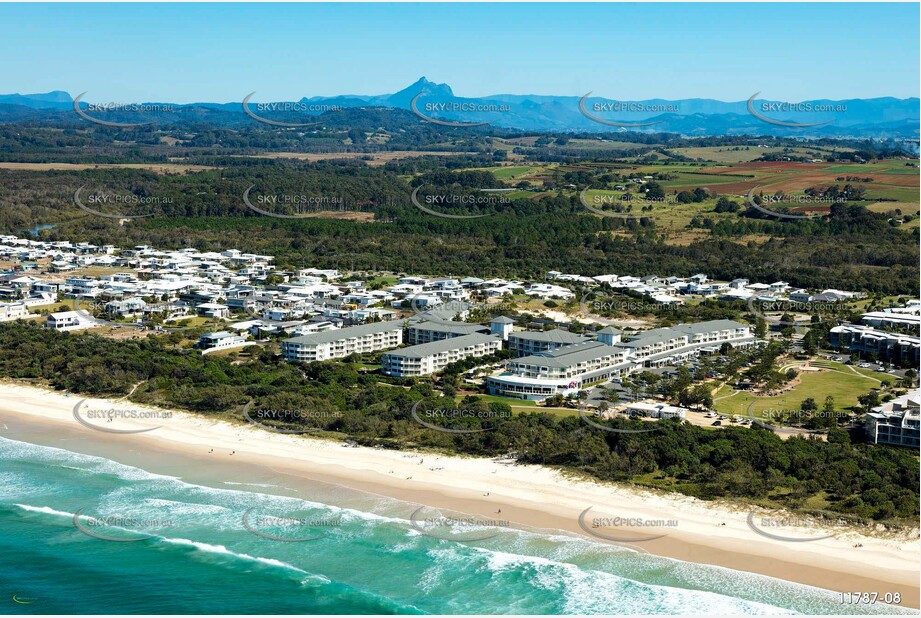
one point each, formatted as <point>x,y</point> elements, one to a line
<point>525,343</point>
<point>13,311</point>
<point>664,346</point>
<point>896,422</point>
<point>427,358</point>
<point>421,331</point>
<point>892,320</point>
<point>565,370</point>
<point>569,368</point>
<point>343,341</point>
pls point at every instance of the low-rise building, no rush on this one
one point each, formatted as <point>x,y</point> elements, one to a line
<point>341,342</point>
<point>213,310</point>
<point>663,346</point>
<point>220,340</point>
<point>130,307</point>
<point>565,370</point>
<point>895,348</point>
<point>69,320</point>
<point>896,422</point>
<point>525,343</point>
<point>655,410</point>
<point>427,358</point>
<point>13,311</point>
<point>422,331</point>
<point>892,320</point>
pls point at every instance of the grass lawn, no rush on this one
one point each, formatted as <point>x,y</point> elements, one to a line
<point>378,283</point>
<point>841,383</point>
<point>510,172</point>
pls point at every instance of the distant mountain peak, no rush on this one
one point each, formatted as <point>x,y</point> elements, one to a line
<point>55,99</point>
<point>422,85</point>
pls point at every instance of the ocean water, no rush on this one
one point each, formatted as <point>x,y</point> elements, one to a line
<point>238,548</point>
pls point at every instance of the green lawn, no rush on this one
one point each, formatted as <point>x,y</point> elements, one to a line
<point>841,383</point>
<point>380,282</point>
<point>510,172</point>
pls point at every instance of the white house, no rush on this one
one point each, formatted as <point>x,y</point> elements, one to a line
<point>213,310</point>
<point>13,311</point>
<point>69,320</point>
<point>221,340</point>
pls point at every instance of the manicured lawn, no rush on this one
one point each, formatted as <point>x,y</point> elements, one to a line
<point>842,384</point>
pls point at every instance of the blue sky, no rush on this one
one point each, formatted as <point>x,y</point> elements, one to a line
<point>221,52</point>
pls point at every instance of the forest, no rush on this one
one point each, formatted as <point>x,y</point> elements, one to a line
<point>523,236</point>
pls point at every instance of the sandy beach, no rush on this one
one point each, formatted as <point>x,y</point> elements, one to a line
<point>527,496</point>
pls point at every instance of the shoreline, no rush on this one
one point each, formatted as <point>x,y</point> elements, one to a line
<point>529,496</point>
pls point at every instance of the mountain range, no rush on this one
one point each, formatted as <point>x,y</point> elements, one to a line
<point>883,117</point>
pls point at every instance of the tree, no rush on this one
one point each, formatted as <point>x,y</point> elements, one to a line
<point>760,328</point>
<point>655,191</point>
<point>870,400</point>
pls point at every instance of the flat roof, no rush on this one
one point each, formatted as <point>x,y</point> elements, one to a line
<point>569,355</point>
<point>658,335</point>
<point>361,330</point>
<point>453,327</point>
<point>557,335</point>
<point>436,347</point>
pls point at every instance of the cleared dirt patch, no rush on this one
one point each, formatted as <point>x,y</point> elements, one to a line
<point>376,158</point>
<point>159,168</point>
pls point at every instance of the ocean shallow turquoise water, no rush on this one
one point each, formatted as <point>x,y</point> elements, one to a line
<point>186,548</point>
